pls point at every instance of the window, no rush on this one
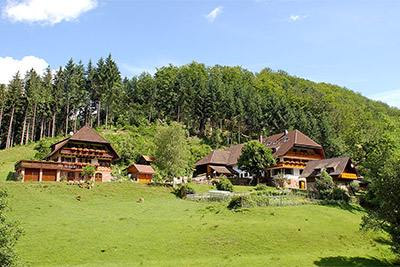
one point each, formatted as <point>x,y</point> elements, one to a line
<point>289,171</point>
<point>104,163</point>
<point>276,171</point>
<point>287,139</point>
<point>301,172</point>
<point>329,170</point>
<point>268,143</point>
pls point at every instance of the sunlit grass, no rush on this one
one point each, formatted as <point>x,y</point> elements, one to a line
<point>109,227</point>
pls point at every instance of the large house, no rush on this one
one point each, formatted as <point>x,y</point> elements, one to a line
<point>69,156</point>
<point>342,170</point>
<point>293,151</point>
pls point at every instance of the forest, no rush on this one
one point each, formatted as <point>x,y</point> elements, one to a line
<point>222,105</point>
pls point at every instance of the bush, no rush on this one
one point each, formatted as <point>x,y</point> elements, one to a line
<point>10,232</point>
<point>183,190</point>
<point>340,194</point>
<point>355,186</point>
<point>261,187</point>
<point>237,202</point>
<point>223,184</point>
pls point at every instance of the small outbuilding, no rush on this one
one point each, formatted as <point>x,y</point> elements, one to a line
<point>141,173</point>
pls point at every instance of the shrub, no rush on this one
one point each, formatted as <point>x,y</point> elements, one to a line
<point>261,187</point>
<point>324,185</point>
<point>224,184</point>
<point>237,202</point>
<point>183,190</point>
<point>354,186</point>
<point>340,194</point>
<point>10,232</point>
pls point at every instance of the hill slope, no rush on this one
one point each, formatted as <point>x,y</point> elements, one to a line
<point>110,228</point>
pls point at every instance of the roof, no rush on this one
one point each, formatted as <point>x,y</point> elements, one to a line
<point>283,142</point>
<point>226,157</point>
<point>142,168</point>
<point>220,169</point>
<point>84,134</point>
<point>148,158</point>
<point>338,165</point>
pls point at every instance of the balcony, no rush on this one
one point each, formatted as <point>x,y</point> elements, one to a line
<point>291,164</point>
<point>303,155</point>
<point>86,153</point>
<point>64,166</point>
<point>348,175</point>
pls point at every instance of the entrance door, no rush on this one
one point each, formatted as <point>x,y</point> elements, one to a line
<point>31,175</point>
<point>98,177</point>
<point>302,185</point>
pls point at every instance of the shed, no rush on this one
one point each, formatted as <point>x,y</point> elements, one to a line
<point>142,173</point>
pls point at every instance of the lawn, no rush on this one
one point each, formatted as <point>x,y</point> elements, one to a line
<point>108,227</point>
<point>8,157</point>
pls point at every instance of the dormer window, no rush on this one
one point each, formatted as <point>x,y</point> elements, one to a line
<point>287,139</point>
<point>269,143</point>
<point>317,171</point>
<point>329,170</point>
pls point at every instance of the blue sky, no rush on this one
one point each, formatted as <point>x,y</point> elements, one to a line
<point>354,44</point>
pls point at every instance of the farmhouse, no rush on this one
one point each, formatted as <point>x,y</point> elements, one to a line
<point>69,156</point>
<point>220,162</point>
<point>342,170</point>
<point>293,150</point>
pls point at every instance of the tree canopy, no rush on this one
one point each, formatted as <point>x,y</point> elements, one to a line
<point>255,158</point>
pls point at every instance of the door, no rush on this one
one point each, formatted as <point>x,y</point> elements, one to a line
<point>98,177</point>
<point>31,175</point>
<point>49,175</point>
<point>302,185</point>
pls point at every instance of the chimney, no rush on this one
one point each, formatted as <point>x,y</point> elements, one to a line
<point>286,132</point>
<point>260,138</point>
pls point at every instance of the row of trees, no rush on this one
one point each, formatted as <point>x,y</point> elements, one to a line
<point>226,105</point>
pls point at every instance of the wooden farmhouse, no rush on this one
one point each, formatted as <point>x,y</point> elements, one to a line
<point>69,156</point>
<point>220,162</point>
<point>294,150</point>
<point>141,173</point>
<point>342,170</point>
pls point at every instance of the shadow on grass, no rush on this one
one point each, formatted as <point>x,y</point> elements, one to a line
<point>351,261</point>
<point>383,241</point>
<point>344,206</point>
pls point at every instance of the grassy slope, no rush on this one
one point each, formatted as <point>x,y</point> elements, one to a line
<point>109,228</point>
<point>10,156</point>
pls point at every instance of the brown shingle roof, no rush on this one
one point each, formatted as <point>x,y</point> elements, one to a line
<point>84,134</point>
<point>338,165</point>
<point>143,168</point>
<point>148,158</point>
<point>282,142</point>
<point>228,157</point>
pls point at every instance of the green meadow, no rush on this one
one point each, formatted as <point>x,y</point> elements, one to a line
<point>109,227</point>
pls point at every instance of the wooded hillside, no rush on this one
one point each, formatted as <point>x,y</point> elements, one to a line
<point>224,105</point>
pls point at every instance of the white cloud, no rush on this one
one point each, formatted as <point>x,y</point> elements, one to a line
<point>10,66</point>
<point>392,97</point>
<point>294,18</point>
<point>213,14</point>
<point>46,11</point>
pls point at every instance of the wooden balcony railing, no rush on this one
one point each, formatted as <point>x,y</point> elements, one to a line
<point>348,175</point>
<point>86,153</point>
<point>34,164</point>
<point>291,164</point>
<point>303,155</point>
